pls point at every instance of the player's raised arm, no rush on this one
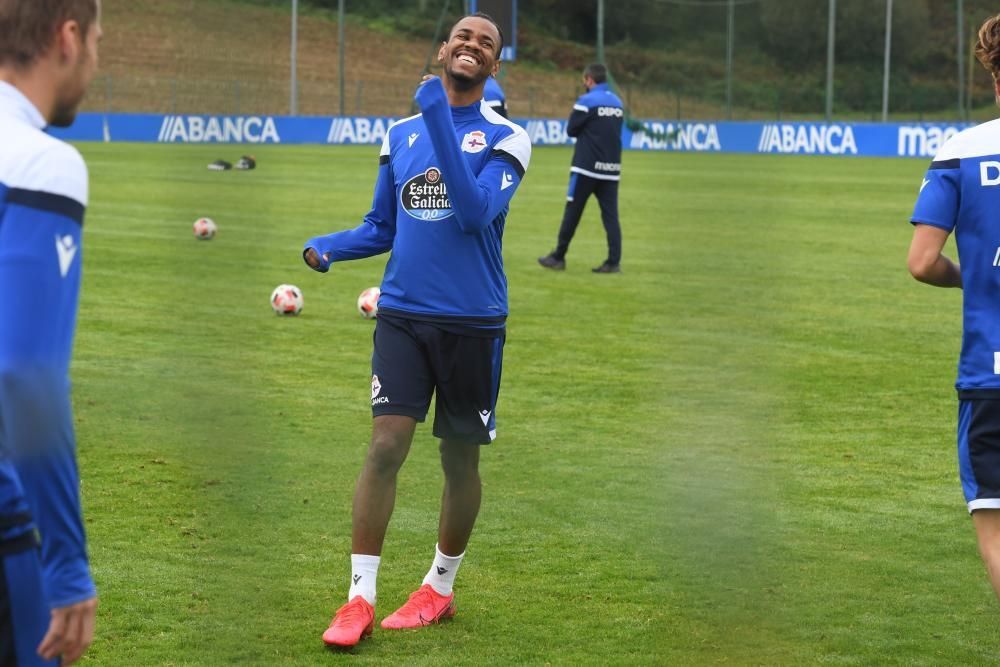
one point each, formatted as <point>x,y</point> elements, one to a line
<point>475,200</point>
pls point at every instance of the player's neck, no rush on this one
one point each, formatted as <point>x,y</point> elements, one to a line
<point>34,84</point>
<point>462,97</point>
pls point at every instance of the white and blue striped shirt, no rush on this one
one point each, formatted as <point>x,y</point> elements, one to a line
<point>43,196</point>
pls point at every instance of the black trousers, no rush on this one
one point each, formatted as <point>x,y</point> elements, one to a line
<point>580,189</point>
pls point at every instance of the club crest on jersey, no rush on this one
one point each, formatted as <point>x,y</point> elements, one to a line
<point>474,142</point>
<point>376,386</point>
<point>425,196</point>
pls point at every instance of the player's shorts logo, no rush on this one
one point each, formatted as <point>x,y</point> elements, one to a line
<point>425,196</point>
<point>376,388</point>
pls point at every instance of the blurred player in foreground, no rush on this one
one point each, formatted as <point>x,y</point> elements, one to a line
<point>961,194</point>
<point>48,602</point>
<point>445,181</point>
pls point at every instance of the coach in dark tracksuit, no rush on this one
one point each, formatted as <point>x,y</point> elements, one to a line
<point>596,122</point>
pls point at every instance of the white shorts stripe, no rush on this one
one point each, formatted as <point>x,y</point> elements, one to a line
<point>984,504</point>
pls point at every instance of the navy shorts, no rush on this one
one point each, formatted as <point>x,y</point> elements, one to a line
<point>24,614</point>
<point>414,360</point>
<point>979,452</point>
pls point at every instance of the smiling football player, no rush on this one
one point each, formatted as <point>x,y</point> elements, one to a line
<point>446,177</point>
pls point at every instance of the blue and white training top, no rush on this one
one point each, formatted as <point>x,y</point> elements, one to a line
<point>961,193</point>
<point>43,195</point>
<point>445,180</point>
<point>596,122</point>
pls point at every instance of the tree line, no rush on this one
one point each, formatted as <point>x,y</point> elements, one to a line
<point>779,46</point>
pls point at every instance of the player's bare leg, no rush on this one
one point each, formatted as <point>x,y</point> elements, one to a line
<point>374,498</point>
<point>375,492</point>
<point>434,600</point>
<point>463,491</point>
<point>987,522</point>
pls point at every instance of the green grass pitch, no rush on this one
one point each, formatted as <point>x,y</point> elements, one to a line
<point>739,451</point>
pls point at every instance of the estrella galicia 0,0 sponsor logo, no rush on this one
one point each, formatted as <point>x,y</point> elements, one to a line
<point>425,196</point>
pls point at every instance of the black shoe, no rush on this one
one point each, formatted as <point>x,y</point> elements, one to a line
<point>220,165</point>
<point>608,267</point>
<point>550,262</point>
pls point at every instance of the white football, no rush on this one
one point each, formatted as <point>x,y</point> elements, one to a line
<point>368,303</point>
<point>286,300</point>
<point>204,229</point>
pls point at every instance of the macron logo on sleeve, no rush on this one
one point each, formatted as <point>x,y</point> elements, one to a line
<point>506,181</point>
<point>66,249</point>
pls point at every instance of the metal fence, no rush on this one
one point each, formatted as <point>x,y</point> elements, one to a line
<point>225,57</point>
<point>228,96</point>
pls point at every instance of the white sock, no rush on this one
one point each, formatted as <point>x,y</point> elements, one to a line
<point>364,569</point>
<point>441,576</point>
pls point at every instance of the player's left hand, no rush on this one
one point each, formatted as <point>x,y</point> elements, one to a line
<point>71,629</point>
<point>430,91</point>
<point>312,258</point>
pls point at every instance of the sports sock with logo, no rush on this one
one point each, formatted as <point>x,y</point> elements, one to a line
<point>441,576</point>
<point>364,569</point>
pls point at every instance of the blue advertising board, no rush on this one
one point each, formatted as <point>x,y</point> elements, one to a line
<point>850,139</point>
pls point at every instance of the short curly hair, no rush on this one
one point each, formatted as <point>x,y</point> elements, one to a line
<point>988,45</point>
<point>28,26</point>
<point>485,17</point>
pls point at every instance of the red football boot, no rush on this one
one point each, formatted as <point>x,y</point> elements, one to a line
<point>424,607</point>
<point>352,623</point>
